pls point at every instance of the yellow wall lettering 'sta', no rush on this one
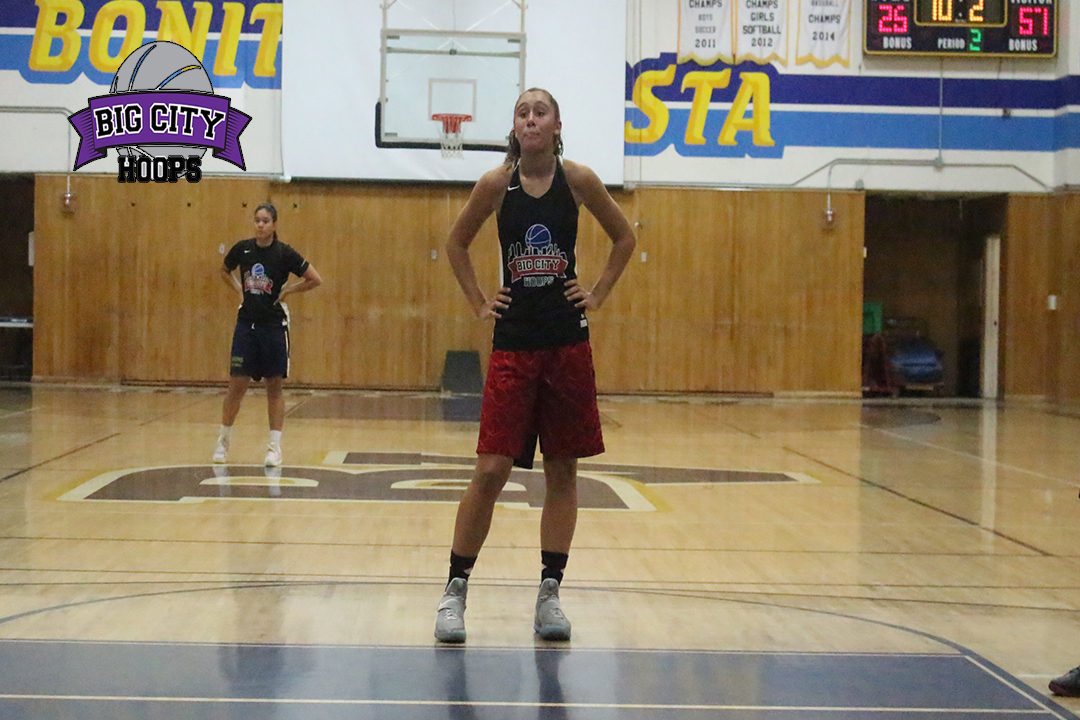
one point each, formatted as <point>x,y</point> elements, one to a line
<point>60,20</point>
<point>652,106</point>
<point>49,28</point>
<point>105,21</point>
<point>703,83</point>
<point>174,26</point>
<point>755,86</point>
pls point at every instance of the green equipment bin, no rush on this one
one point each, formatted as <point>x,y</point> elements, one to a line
<point>872,317</point>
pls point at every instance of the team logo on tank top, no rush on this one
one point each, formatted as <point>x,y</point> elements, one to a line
<point>537,261</point>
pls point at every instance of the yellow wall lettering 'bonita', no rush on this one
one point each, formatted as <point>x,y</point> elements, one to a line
<point>173,27</point>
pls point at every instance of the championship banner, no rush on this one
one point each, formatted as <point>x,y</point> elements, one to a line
<point>824,32</point>
<point>705,31</point>
<point>761,31</point>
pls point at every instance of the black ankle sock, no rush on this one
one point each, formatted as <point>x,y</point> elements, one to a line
<point>460,566</point>
<point>554,564</point>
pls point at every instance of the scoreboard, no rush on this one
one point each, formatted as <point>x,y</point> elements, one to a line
<point>993,28</point>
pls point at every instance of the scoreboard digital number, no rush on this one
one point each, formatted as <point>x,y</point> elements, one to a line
<point>993,28</point>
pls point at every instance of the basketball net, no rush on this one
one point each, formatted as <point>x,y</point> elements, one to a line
<point>450,140</point>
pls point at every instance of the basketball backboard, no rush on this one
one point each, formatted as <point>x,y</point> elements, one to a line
<point>439,57</point>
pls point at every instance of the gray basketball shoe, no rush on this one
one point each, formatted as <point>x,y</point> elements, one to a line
<point>450,622</point>
<point>550,623</point>
<point>1068,685</point>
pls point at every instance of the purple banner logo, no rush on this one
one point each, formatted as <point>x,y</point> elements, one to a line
<point>161,115</point>
<point>159,119</point>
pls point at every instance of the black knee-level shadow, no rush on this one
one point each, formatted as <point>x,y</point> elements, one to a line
<point>250,670</point>
<point>452,670</point>
<point>461,408</point>
<point>552,702</point>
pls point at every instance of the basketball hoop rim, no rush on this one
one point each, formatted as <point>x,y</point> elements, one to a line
<point>450,141</point>
<point>452,121</point>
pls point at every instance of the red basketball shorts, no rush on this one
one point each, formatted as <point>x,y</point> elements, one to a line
<point>547,393</point>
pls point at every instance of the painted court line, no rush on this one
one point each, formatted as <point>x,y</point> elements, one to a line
<point>489,704</point>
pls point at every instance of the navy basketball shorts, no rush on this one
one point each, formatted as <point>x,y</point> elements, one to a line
<point>260,350</point>
<point>548,393</point>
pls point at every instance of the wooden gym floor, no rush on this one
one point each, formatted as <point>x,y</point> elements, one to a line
<point>734,557</point>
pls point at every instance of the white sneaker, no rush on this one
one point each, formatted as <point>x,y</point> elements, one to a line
<point>221,452</point>
<point>273,455</point>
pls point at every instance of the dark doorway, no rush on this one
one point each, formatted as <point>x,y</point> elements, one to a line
<point>16,277</point>
<point>925,267</point>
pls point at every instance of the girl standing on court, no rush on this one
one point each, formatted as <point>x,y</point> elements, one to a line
<point>540,381</point>
<point>260,347</point>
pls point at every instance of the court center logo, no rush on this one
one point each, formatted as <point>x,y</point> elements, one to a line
<point>161,115</point>
<point>364,476</point>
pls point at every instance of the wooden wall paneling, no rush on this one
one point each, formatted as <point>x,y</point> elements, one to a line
<point>1055,272</point>
<point>333,229</point>
<point>842,310</point>
<point>822,343</point>
<point>370,315</point>
<point>1025,286</point>
<point>49,336</point>
<point>99,264</point>
<point>131,216</point>
<point>180,316</point>
<point>690,299</point>
<point>159,313</point>
<point>321,343</point>
<point>1067,316</point>
<point>759,274</point>
<point>618,331</point>
<point>451,324</point>
<point>739,291</point>
<point>801,251</point>
<point>76,312</point>
<point>799,293</point>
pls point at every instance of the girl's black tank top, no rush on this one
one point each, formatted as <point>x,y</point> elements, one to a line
<point>538,238</point>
